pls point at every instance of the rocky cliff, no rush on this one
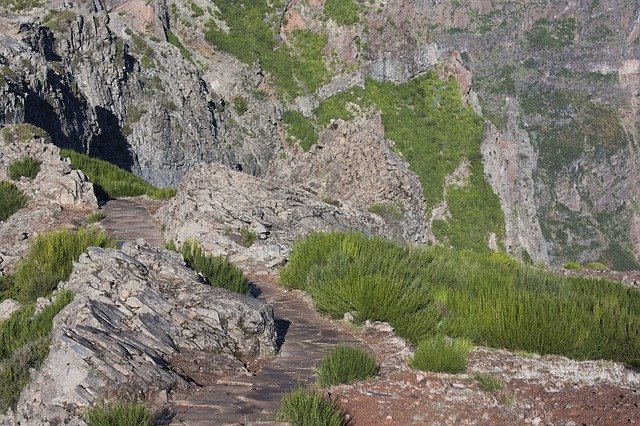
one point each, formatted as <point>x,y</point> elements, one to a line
<point>158,88</point>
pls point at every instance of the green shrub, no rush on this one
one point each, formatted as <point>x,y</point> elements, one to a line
<point>217,270</point>
<point>597,266</point>
<point>24,344</point>
<point>486,297</point>
<point>240,105</point>
<point>488,383</point>
<point>173,39</point>
<point>343,12</point>
<point>575,266</point>
<point>309,409</point>
<point>95,217</point>
<point>111,181</point>
<point>438,355</point>
<point>119,414</point>
<point>388,211</point>
<point>248,237</point>
<point>345,365</point>
<point>24,167</point>
<point>50,260</point>
<point>11,200</point>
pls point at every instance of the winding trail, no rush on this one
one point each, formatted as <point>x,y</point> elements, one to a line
<point>128,220</point>
<point>304,336</point>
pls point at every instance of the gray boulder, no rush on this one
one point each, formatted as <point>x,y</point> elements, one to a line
<point>141,324</point>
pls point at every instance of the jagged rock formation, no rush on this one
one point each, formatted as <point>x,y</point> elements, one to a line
<point>57,196</point>
<point>99,86</point>
<point>226,210</point>
<point>353,163</point>
<point>141,324</point>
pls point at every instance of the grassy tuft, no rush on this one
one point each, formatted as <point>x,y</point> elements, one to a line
<point>574,266</point>
<point>486,297</point>
<point>95,217</point>
<point>11,200</point>
<point>309,409</point>
<point>24,344</point>
<point>24,167</point>
<point>217,270</point>
<point>488,383</point>
<point>343,12</point>
<point>346,365</point>
<point>119,414</point>
<point>299,129</point>
<point>50,260</point>
<point>111,181</point>
<point>438,355</point>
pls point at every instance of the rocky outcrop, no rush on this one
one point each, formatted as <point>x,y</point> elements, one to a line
<point>98,86</point>
<point>226,210</point>
<point>136,311</point>
<point>509,163</point>
<point>58,195</point>
<point>354,164</point>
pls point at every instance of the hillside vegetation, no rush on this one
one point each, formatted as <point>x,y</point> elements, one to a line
<point>110,181</point>
<point>486,297</point>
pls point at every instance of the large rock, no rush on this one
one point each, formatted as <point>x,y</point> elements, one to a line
<point>58,196</point>
<point>353,163</point>
<point>137,314</point>
<point>219,207</point>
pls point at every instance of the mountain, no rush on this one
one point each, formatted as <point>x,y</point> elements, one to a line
<point>518,119</point>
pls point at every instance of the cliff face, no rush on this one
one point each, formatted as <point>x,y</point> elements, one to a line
<point>97,85</point>
<point>561,78</point>
<point>158,88</point>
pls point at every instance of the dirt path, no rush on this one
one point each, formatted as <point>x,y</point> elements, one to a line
<point>127,220</point>
<point>304,335</point>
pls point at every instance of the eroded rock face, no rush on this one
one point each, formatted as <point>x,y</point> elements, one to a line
<point>218,207</point>
<point>57,196</point>
<point>353,163</point>
<point>135,310</point>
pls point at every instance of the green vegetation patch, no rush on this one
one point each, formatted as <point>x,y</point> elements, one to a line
<point>299,129</point>
<point>388,211</point>
<point>24,344</point>
<point>487,298</point>
<point>119,413</point>
<point>309,409</point>
<point>58,20</point>
<point>110,181</point>
<point>95,217</point>
<point>488,383</point>
<point>547,34</point>
<point>253,26</point>
<point>11,199</point>
<point>240,105</point>
<point>20,5</point>
<point>173,39</point>
<point>343,12</point>
<point>217,270</point>
<point>22,133</point>
<point>439,355</point>
<point>50,260</point>
<point>344,364</point>
<point>24,167</point>
<point>620,259</point>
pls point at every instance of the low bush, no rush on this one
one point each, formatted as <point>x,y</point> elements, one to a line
<point>217,270</point>
<point>439,355</point>
<point>21,133</point>
<point>574,266</point>
<point>488,298</point>
<point>50,260</point>
<point>301,408</point>
<point>95,217</point>
<point>488,383</point>
<point>11,199</point>
<point>111,181</point>
<point>24,167</point>
<point>345,365</point>
<point>119,414</point>
<point>24,344</point>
